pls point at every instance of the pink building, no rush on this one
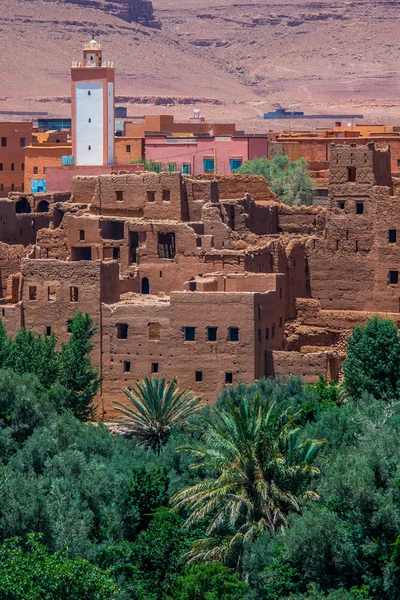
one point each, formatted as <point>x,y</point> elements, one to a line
<point>202,153</point>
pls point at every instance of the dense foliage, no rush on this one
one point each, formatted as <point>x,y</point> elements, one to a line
<point>101,504</point>
<point>291,181</point>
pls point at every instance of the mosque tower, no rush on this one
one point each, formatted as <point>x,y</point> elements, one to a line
<point>93,101</point>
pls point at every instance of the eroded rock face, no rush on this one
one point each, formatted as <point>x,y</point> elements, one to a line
<point>137,11</point>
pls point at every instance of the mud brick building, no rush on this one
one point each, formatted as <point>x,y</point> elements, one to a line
<point>209,279</point>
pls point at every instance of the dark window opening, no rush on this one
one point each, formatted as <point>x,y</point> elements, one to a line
<point>199,376</point>
<point>89,93</point>
<point>198,242</point>
<point>166,245</point>
<point>272,331</point>
<point>392,236</point>
<point>22,142</point>
<point>233,334</point>
<point>127,366</point>
<point>393,277</point>
<point>22,166</point>
<point>73,294</point>
<point>48,330</point>
<point>151,196</point>
<point>116,253</point>
<point>359,208</point>
<point>122,331</point>
<point>22,206</point>
<point>51,293</point>
<point>133,246</point>
<point>89,120</point>
<point>189,334</point>
<point>280,321</point>
<point>166,195</point>
<point>69,330</point>
<point>212,334</point>
<point>43,207</point>
<point>192,286</point>
<point>12,167</point>
<point>35,170</point>
<point>154,367</point>
<point>4,142</point>
<point>119,195</point>
<point>267,333</point>
<point>337,244</point>
<point>81,253</point>
<point>1,166</point>
<point>351,174</point>
<point>228,377</point>
<point>32,292</point>
<point>356,245</point>
<point>128,148</point>
<point>145,286</point>
<point>112,230</point>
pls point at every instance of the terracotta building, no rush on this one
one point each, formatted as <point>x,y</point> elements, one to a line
<point>14,136</point>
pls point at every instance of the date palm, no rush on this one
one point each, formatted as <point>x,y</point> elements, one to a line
<point>259,468</point>
<point>155,408</point>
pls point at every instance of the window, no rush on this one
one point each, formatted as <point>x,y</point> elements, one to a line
<point>166,195</point>
<point>157,167</point>
<point>189,334</point>
<point>48,330</point>
<point>233,334</point>
<point>51,293</point>
<point>1,166</point>
<point>341,205</point>
<point>337,244</point>
<point>359,208</point>
<point>208,165</point>
<point>89,93</point>
<point>32,292</point>
<point>356,245</point>
<point>186,168</point>
<point>151,196</point>
<point>4,142</point>
<point>199,376</point>
<point>280,321</point>
<point>12,187</point>
<point>267,333</point>
<point>351,174</point>
<point>89,147</point>
<point>228,377</point>
<point>133,246</point>
<point>235,164</point>
<point>73,294</point>
<point>116,253</point>
<point>69,330</point>
<point>82,235</point>
<point>393,277</point>
<point>392,236</point>
<point>127,366</point>
<point>89,120</point>
<point>22,166</point>
<point>2,187</point>
<point>35,170</point>
<point>212,334</point>
<point>259,336</point>
<point>171,167</point>
<point>154,331</point>
<point>119,196</point>
<point>12,167</point>
<point>166,245</point>
<point>122,331</point>
<point>22,142</point>
<point>272,331</point>
<point>398,162</point>
<point>128,148</point>
<point>154,367</point>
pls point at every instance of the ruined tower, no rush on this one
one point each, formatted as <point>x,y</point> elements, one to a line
<point>93,100</point>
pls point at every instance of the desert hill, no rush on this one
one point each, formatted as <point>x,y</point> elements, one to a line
<point>235,58</point>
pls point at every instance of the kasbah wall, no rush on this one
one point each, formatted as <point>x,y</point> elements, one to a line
<point>209,279</point>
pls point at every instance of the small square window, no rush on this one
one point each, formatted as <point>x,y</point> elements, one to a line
<point>127,366</point>
<point>341,205</point>
<point>51,293</point>
<point>48,330</point>
<point>359,208</point>
<point>208,165</point>
<point>35,170</point>
<point>166,195</point>
<point>392,236</point>
<point>122,331</point>
<point>393,277</point>
<point>228,377</point>
<point>186,168</point>
<point>199,376</point>
<point>82,235</point>
<point>233,334</point>
<point>128,148</point>
<point>32,292</point>
<point>235,164</point>
<point>73,294</point>
<point>154,367</point>
<point>171,167</point>
<point>189,334</point>
<point>119,196</point>
<point>151,196</point>
<point>212,334</point>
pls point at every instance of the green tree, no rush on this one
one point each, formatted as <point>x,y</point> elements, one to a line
<point>35,574</point>
<point>260,466</point>
<point>157,407</point>
<point>291,181</point>
<point>209,582</point>
<point>373,360</point>
<point>77,375</point>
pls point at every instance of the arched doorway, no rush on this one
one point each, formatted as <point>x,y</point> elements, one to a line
<point>22,206</point>
<point>43,207</point>
<point>145,286</point>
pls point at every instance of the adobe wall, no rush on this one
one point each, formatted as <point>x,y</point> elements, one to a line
<point>308,366</point>
<point>10,262</point>
<point>237,186</point>
<point>297,219</point>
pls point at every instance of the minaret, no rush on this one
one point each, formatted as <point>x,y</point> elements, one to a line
<point>93,100</point>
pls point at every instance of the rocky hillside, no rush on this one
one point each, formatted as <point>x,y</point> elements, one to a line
<point>242,57</point>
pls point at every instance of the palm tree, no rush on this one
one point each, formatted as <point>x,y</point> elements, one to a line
<point>259,467</point>
<point>156,408</point>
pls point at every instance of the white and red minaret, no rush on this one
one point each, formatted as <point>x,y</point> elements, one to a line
<point>93,100</point>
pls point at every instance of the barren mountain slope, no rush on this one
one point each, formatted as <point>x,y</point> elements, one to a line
<point>250,55</point>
